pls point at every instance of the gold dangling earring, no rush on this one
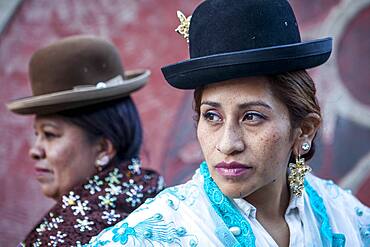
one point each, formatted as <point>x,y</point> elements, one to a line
<point>298,171</point>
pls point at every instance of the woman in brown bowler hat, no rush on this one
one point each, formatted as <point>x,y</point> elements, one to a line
<point>88,139</point>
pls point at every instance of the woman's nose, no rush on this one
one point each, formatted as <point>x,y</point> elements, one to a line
<point>231,141</point>
<point>36,152</point>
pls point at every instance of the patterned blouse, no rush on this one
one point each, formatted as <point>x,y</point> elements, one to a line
<point>198,214</point>
<point>105,199</point>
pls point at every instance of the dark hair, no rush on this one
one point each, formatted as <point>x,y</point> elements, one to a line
<point>295,89</point>
<point>117,121</point>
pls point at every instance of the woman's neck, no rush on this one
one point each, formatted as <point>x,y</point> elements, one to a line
<point>272,200</point>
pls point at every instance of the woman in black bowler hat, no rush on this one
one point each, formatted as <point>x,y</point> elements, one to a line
<point>257,118</point>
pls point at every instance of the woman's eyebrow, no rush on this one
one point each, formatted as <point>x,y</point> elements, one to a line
<point>240,106</point>
<point>49,124</point>
<point>254,103</point>
<point>211,103</point>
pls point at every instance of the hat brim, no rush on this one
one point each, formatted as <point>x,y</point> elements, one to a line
<point>201,71</point>
<point>80,96</point>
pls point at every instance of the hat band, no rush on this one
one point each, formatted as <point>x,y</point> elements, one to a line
<point>310,48</point>
<point>118,80</point>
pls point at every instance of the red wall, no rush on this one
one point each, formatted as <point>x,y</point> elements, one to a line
<point>144,32</point>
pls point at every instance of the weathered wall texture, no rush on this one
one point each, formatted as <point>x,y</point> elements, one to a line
<point>143,31</point>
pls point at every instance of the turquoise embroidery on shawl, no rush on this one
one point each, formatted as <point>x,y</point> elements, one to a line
<point>319,210</point>
<point>339,240</point>
<point>121,234</point>
<point>187,194</point>
<point>364,229</point>
<point>226,210</point>
<point>232,217</point>
<point>365,234</point>
<point>151,230</point>
<point>100,243</point>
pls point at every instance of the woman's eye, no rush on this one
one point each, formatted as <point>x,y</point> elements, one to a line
<point>49,135</point>
<point>253,117</point>
<point>212,116</point>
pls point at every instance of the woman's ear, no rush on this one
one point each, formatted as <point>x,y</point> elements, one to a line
<point>105,148</point>
<point>306,131</point>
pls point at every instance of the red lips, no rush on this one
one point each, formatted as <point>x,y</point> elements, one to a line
<point>232,165</point>
<point>37,169</point>
<point>41,172</point>
<point>233,169</point>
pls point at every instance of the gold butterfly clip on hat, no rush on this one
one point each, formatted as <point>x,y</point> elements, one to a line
<point>183,28</point>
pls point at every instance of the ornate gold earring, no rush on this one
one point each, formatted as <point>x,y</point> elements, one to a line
<point>298,171</point>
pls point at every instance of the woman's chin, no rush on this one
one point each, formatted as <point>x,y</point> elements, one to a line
<point>48,191</point>
<point>232,191</point>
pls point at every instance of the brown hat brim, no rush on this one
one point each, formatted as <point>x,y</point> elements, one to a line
<point>80,96</point>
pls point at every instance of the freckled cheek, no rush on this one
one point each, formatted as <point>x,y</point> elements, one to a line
<point>268,148</point>
<point>206,140</point>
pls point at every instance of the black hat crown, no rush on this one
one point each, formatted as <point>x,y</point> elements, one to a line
<point>221,26</point>
<point>239,38</point>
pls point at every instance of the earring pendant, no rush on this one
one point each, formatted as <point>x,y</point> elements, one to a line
<point>298,171</point>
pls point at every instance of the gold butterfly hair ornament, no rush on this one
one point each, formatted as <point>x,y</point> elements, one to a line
<point>183,28</point>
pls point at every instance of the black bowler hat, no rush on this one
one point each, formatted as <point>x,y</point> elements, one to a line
<point>233,39</point>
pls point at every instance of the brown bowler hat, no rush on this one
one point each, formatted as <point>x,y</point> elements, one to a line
<point>76,71</point>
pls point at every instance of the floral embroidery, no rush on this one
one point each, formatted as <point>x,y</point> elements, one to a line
<point>130,184</point>
<point>84,224</point>
<point>190,192</point>
<point>121,234</point>
<point>114,190</point>
<point>156,229</point>
<point>135,195</point>
<point>59,238</point>
<point>153,229</point>
<point>55,221</point>
<point>70,200</point>
<point>80,207</point>
<point>107,201</point>
<point>41,228</point>
<point>38,243</point>
<point>94,185</point>
<point>110,216</point>
<point>49,225</point>
<point>135,166</point>
<point>114,177</point>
